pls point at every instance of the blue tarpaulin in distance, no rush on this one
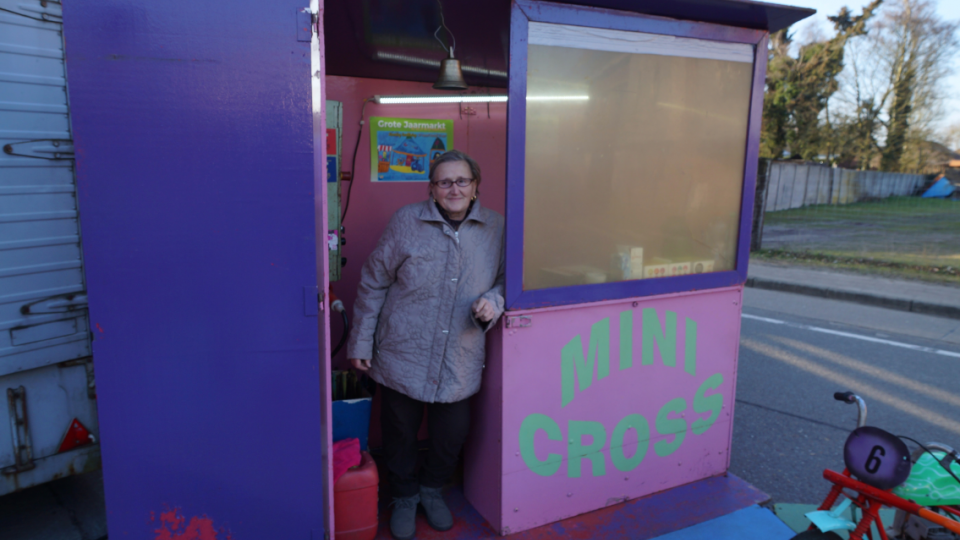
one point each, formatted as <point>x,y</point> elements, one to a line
<point>940,188</point>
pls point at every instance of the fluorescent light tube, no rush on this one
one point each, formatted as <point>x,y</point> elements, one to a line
<point>409,100</point>
<point>558,98</point>
<point>473,98</point>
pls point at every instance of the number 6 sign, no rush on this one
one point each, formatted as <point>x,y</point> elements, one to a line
<point>876,457</point>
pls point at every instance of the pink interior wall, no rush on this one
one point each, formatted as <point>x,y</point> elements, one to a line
<point>372,203</point>
<point>482,465</point>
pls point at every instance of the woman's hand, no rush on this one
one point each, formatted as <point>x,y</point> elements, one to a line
<point>483,310</point>
<point>360,364</point>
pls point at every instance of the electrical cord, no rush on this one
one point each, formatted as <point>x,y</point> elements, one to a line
<point>353,165</point>
<point>343,338</point>
<point>337,305</point>
<point>927,450</point>
<point>443,24</point>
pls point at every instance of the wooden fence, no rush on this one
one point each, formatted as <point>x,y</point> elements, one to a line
<point>783,184</point>
<point>794,185</point>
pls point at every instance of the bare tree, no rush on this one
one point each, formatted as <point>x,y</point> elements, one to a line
<point>896,77</point>
<point>799,87</point>
<point>951,136</point>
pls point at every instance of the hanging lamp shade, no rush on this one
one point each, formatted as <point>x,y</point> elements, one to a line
<point>451,76</point>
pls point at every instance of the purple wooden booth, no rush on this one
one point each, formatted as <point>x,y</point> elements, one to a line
<point>627,157</point>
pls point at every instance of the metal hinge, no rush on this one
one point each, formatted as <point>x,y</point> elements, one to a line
<point>52,149</point>
<point>60,303</point>
<point>520,321</point>
<point>20,430</point>
<point>306,24</point>
<point>312,300</point>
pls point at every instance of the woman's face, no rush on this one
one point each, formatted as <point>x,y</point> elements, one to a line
<point>455,199</point>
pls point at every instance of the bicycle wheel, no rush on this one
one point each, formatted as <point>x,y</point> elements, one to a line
<point>816,534</point>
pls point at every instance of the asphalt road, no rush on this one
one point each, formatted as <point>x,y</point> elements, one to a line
<point>66,509</point>
<point>794,355</point>
<point>787,427</point>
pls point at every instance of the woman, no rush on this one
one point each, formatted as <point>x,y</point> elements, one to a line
<point>427,294</point>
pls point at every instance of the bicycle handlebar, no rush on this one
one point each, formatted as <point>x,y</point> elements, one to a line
<point>850,397</point>
<point>846,397</point>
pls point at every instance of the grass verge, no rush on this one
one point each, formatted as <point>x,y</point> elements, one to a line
<point>942,274</point>
<point>905,212</point>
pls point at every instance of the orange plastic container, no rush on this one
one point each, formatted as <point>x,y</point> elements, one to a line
<point>355,501</point>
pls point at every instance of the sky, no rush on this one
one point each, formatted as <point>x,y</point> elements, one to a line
<point>948,9</point>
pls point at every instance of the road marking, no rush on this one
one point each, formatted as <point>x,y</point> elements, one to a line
<point>764,319</point>
<point>854,336</point>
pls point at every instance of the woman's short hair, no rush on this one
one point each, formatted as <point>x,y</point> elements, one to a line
<point>456,155</point>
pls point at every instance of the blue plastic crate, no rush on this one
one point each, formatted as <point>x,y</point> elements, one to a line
<point>351,419</point>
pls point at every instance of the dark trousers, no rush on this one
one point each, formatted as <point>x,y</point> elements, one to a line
<point>400,419</point>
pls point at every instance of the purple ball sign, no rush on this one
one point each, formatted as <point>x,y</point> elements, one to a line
<point>876,457</point>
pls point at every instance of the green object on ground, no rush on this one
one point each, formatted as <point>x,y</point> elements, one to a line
<point>793,515</point>
<point>929,484</point>
<point>832,520</point>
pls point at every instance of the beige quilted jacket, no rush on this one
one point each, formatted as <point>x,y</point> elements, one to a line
<point>413,312</point>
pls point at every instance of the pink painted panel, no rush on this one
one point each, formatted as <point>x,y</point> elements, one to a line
<point>319,108</point>
<point>683,410</point>
<point>482,464</point>
<point>373,203</point>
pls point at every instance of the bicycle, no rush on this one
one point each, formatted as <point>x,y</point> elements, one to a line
<point>881,471</point>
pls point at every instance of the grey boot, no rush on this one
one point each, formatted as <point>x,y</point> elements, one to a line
<point>438,515</point>
<point>403,521</point>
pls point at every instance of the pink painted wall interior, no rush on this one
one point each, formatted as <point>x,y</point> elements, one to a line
<point>605,402</point>
<point>483,450</point>
<point>373,203</point>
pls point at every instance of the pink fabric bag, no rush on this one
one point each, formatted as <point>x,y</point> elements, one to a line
<point>346,454</point>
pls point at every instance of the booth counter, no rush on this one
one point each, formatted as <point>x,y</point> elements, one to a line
<point>587,406</point>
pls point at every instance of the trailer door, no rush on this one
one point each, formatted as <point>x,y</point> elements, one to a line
<point>45,369</point>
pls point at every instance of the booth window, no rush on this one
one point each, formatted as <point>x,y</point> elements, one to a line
<point>634,157</point>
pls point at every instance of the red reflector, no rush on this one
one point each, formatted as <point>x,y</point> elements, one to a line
<point>77,435</point>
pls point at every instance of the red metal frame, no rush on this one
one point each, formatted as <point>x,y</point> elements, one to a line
<point>950,509</point>
<point>871,499</point>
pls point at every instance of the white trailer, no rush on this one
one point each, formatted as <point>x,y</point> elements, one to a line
<point>47,389</point>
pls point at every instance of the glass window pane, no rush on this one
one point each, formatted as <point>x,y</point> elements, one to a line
<point>634,160</point>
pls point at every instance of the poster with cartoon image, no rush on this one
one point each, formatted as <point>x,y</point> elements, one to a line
<point>402,149</point>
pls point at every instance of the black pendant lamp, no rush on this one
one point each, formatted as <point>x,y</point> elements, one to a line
<point>451,76</point>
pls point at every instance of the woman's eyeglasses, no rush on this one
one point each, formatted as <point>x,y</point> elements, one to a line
<point>447,184</point>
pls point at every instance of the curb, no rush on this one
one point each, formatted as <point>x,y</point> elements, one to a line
<point>901,304</point>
